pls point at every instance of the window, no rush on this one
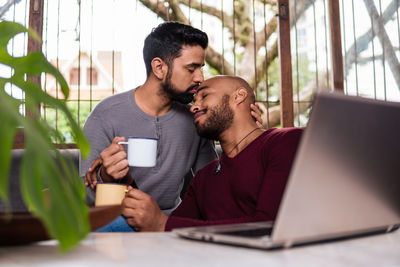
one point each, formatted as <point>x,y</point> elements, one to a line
<point>91,76</point>
<point>74,76</point>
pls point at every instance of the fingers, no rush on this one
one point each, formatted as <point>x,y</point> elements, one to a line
<point>137,194</point>
<point>110,151</point>
<point>136,202</point>
<point>129,208</point>
<point>95,164</point>
<point>90,179</point>
<point>91,174</point>
<point>256,114</point>
<point>118,139</point>
<point>133,208</point>
<point>134,198</point>
<point>255,108</point>
<point>132,223</point>
<point>115,159</point>
<point>117,166</point>
<point>136,212</point>
<point>142,211</point>
<point>113,148</point>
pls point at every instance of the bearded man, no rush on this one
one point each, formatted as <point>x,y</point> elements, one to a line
<point>245,184</point>
<point>174,55</point>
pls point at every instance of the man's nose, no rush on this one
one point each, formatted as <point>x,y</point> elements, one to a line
<point>194,108</point>
<point>198,77</point>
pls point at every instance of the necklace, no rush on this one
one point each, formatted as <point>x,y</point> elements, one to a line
<point>218,168</point>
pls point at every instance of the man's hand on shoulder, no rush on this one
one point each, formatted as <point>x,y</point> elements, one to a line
<point>256,114</point>
<point>142,212</point>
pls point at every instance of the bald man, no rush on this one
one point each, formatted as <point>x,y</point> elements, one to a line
<point>245,184</point>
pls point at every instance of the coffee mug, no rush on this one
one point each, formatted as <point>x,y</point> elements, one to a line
<point>142,151</point>
<point>110,194</point>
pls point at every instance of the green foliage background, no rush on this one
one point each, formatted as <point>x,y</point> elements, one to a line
<point>65,215</point>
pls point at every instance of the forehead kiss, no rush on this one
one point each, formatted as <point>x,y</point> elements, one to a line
<point>212,92</point>
<point>211,110</point>
<point>219,84</point>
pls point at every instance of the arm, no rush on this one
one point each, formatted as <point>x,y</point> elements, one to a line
<point>143,214</point>
<point>104,145</point>
<point>188,212</point>
<point>94,172</point>
<point>100,135</point>
<point>279,158</point>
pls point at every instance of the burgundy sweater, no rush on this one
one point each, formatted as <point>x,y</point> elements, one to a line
<point>248,188</point>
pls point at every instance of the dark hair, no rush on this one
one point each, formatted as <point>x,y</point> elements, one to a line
<point>166,41</point>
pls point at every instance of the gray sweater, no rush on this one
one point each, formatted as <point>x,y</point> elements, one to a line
<point>179,149</point>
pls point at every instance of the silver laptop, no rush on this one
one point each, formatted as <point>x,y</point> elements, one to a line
<point>345,180</point>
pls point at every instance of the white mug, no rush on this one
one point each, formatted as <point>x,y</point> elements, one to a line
<point>142,151</point>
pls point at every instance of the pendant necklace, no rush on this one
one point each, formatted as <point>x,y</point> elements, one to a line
<point>219,167</point>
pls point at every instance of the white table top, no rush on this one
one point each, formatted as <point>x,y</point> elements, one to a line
<point>165,249</point>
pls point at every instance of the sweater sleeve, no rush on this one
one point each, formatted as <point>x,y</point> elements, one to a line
<point>188,212</point>
<point>100,136</point>
<point>279,156</point>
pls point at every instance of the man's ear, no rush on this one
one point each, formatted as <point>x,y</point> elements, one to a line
<point>240,95</point>
<point>159,68</point>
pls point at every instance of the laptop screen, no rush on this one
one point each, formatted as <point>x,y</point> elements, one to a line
<point>345,178</point>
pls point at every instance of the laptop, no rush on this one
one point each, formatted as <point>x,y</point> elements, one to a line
<point>344,182</point>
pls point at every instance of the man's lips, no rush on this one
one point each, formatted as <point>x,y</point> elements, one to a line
<point>197,116</point>
<point>192,89</point>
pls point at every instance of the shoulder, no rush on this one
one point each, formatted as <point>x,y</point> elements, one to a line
<point>281,141</point>
<point>118,100</point>
<point>285,132</point>
<point>276,135</point>
<point>110,109</point>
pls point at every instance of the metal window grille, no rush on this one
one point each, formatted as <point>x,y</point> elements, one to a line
<point>97,46</point>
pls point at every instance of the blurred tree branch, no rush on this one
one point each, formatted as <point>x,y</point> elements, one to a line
<point>251,45</point>
<point>5,7</point>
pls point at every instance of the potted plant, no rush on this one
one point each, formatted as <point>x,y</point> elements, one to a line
<point>66,217</point>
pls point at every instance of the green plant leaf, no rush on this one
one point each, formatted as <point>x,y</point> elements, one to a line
<point>7,133</point>
<point>62,209</point>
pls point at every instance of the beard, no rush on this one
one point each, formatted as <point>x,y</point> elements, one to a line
<point>183,98</point>
<point>220,119</point>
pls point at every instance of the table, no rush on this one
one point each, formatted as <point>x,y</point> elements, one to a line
<point>166,249</point>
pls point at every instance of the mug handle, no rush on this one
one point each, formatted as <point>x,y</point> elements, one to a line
<point>122,143</point>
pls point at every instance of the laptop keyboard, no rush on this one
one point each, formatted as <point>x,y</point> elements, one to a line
<point>250,232</point>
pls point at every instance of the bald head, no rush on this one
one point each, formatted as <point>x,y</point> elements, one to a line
<point>228,84</point>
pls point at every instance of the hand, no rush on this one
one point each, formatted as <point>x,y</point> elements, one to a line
<point>115,163</point>
<point>142,212</point>
<point>91,174</point>
<point>256,113</point>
